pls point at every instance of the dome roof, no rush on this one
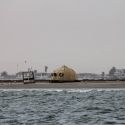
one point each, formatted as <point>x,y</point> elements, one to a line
<point>64,73</point>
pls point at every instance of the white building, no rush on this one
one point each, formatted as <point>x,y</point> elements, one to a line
<point>39,76</point>
<point>120,73</point>
<point>89,76</point>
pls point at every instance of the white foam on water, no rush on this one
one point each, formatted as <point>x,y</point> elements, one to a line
<point>68,90</point>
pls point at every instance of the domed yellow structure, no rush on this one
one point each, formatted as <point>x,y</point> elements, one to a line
<point>64,74</point>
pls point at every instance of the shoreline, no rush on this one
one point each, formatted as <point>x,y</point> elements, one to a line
<point>72,85</point>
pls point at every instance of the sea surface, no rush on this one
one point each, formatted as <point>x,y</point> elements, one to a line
<point>62,107</point>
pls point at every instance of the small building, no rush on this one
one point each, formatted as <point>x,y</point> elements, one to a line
<point>1,77</point>
<point>9,77</point>
<point>19,75</point>
<point>63,74</point>
<point>44,76</point>
<point>39,76</point>
<point>92,76</point>
<point>82,76</point>
<point>120,73</point>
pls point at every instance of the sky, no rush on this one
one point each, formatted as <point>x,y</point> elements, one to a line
<point>85,35</point>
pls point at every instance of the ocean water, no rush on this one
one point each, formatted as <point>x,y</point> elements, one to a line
<point>62,107</point>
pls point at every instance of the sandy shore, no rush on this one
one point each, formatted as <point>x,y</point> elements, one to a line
<point>77,85</point>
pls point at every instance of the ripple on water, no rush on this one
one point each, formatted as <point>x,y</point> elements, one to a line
<point>62,107</point>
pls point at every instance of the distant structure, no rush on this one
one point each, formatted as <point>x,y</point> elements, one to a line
<point>39,76</point>
<point>4,73</point>
<point>64,74</point>
<point>103,75</point>
<point>46,69</point>
<point>120,73</point>
<point>112,71</point>
<point>6,76</point>
<point>35,71</point>
<point>89,76</point>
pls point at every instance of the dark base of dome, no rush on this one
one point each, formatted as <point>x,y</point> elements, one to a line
<point>63,81</point>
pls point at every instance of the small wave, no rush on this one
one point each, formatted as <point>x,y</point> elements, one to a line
<point>68,90</point>
<point>49,90</point>
<point>62,106</point>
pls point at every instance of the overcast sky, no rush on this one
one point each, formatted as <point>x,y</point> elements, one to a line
<point>86,35</point>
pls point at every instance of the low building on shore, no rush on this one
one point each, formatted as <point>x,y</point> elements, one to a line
<point>92,76</point>
<point>8,77</point>
<point>120,74</point>
<point>38,76</point>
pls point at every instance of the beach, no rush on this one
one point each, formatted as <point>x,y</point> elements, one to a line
<point>70,85</point>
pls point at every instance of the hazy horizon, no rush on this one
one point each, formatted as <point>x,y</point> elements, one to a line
<point>85,35</point>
